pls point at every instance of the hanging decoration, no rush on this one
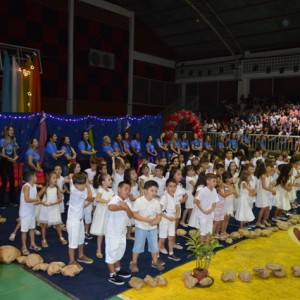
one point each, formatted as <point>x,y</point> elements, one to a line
<point>179,115</point>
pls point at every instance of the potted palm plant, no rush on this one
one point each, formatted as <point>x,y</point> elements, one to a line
<point>202,253</point>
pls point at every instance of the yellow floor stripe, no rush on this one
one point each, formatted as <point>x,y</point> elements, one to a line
<point>279,248</point>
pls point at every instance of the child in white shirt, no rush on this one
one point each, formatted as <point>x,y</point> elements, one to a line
<point>206,201</point>
<point>28,199</point>
<point>115,236</point>
<point>80,194</point>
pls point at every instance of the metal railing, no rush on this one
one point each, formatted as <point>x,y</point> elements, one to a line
<point>274,143</point>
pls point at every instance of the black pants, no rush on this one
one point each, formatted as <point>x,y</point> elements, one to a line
<point>7,173</point>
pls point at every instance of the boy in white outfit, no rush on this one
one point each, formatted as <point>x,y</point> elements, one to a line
<point>80,195</point>
<point>206,203</point>
<point>170,212</point>
<point>147,213</point>
<point>115,238</point>
<point>28,199</point>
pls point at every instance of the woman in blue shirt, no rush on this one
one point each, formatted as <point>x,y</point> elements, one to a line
<point>69,155</point>
<point>174,145</point>
<point>85,151</point>
<point>184,146</point>
<point>245,142</point>
<point>8,158</point>
<point>32,157</point>
<point>233,143</point>
<point>150,149</point>
<point>136,148</point>
<point>108,153</point>
<point>51,154</point>
<point>162,147</point>
<point>196,144</point>
<point>119,146</point>
<point>207,144</point>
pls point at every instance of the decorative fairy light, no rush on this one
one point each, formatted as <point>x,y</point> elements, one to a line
<point>32,67</point>
<point>79,119</point>
<point>29,94</point>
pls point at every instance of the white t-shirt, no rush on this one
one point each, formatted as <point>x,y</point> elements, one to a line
<point>161,185</point>
<point>168,206</point>
<point>146,208</point>
<point>76,203</point>
<point>207,198</point>
<point>27,209</point>
<point>116,220</point>
<point>227,162</point>
<point>90,173</point>
<point>60,184</point>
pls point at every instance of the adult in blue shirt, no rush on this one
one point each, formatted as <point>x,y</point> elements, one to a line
<point>51,154</point>
<point>207,144</point>
<point>150,149</point>
<point>108,153</point>
<point>245,141</point>
<point>32,157</point>
<point>196,144</point>
<point>136,149</point>
<point>162,146</point>
<point>69,155</point>
<point>220,145</point>
<point>184,146</point>
<point>8,157</point>
<point>174,146</point>
<point>118,146</point>
<point>233,143</point>
<point>85,151</point>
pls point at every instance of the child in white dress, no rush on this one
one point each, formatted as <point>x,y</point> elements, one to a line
<point>284,188</point>
<point>130,176</point>
<point>118,168</point>
<point>265,190</point>
<point>102,185</point>
<point>244,212</point>
<point>190,180</point>
<point>50,213</point>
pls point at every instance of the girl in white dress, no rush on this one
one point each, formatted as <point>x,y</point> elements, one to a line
<point>284,188</point>
<point>102,185</point>
<point>190,182</point>
<point>244,211</point>
<point>145,175</point>
<point>180,195</point>
<point>232,194</point>
<point>50,213</point>
<point>265,191</point>
<point>130,176</point>
<point>200,184</point>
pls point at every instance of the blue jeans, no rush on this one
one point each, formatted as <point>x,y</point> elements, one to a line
<point>141,235</point>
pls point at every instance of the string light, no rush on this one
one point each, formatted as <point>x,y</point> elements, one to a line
<point>80,119</point>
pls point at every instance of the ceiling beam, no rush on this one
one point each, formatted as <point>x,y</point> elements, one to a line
<point>197,10</point>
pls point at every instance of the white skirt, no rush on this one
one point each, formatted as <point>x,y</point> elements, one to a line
<point>99,222</point>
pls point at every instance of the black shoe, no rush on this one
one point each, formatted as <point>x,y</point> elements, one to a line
<point>123,273</point>
<point>115,279</point>
<point>88,236</point>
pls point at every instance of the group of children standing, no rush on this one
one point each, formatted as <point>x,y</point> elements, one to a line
<point>110,205</point>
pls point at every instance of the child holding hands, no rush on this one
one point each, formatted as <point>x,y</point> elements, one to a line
<point>206,201</point>
<point>147,213</point>
<point>28,199</point>
<point>80,194</point>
